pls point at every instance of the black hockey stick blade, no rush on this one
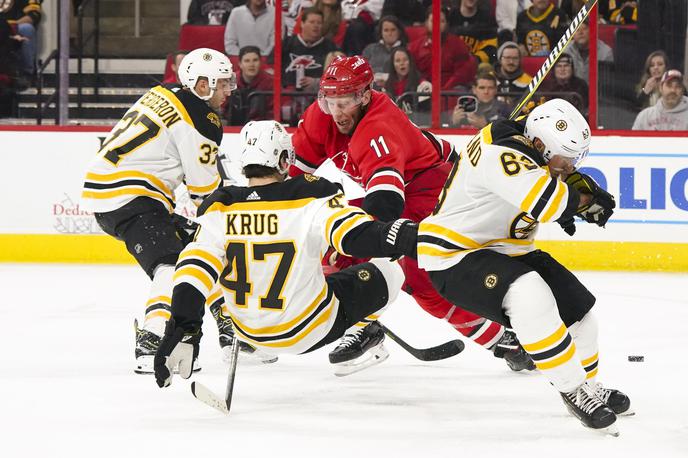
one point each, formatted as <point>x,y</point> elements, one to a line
<point>439,352</point>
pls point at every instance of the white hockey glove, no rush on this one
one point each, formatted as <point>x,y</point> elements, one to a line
<point>176,348</point>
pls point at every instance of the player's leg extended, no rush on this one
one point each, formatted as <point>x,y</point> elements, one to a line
<point>363,291</point>
<point>575,302</point>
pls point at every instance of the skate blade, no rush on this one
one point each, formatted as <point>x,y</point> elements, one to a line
<point>144,366</point>
<point>612,430</point>
<point>629,413</point>
<point>372,357</point>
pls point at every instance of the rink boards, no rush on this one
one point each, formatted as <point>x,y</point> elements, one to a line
<point>42,173</point>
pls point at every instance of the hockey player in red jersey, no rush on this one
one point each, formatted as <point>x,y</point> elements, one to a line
<point>403,170</point>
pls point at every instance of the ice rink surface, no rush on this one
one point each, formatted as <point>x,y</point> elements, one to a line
<point>67,388</point>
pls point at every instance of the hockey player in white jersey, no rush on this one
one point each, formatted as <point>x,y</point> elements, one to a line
<point>264,244</point>
<point>169,136</point>
<point>478,247</point>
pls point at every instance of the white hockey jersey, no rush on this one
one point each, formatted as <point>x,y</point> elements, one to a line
<point>167,137</point>
<point>494,199</point>
<point>265,244</point>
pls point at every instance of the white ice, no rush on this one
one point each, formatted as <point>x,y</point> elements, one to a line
<point>67,388</point>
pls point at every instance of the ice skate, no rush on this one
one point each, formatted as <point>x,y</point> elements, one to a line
<point>226,334</point>
<point>509,348</point>
<point>147,344</point>
<point>584,404</point>
<point>615,400</point>
<point>359,350</point>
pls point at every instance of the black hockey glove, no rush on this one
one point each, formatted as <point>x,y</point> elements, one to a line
<point>177,348</point>
<point>601,206</point>
<point>400,238</point>
<point>569,226</point>
<point>186,229</point>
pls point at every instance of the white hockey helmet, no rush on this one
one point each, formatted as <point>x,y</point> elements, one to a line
<point>208,63</point>
<point>561,128</point>
<point>264,144</point>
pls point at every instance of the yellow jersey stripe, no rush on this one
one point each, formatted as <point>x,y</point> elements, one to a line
<point>554,204</point>
<point>523,242</point>
<point>546,342</point>
<point>345,227</point>
<point>217,293</point>
<point>125,192</point>
<point>289,324</point>
<point>204,189</point>
<point>533,193</point>
<point>108,177</point>
<point>195,272</point>
<point>260,205</point>
<point>170,97</point>
<point>159,299</point>
<point>203,255</point>
<point>298,337</point>
<point>434,229</point>
<point>558,361</point>
<point>334,218</point>
<point>432,251</point>
<point>589,361</point>
<point>591,374</point>
<point>166,314</point>
<point>486,133</point>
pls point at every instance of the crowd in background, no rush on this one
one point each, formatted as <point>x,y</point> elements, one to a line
<point>483,47</point>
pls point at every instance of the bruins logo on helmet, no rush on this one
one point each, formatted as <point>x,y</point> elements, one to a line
<point>207,57</point>
<point>491,281</point>
<point>363,274</point>
<point>561,125</point>
<point>214,119</point>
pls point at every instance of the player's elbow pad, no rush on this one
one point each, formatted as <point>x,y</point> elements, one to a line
<point>187,307</point>
<point>384,205</point>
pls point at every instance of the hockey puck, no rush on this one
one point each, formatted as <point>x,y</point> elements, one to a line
<point>636,358</point>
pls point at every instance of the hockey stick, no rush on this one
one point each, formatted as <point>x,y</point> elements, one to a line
<point>553,56</point>
<point>443,351</point>
<point>203,394</point>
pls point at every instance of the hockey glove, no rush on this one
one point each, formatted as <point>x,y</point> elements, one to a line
<point>400,238</point>
<point>186,229</point>
<point>569,226</point>
<point>176,348</point>
<point>601,206</point>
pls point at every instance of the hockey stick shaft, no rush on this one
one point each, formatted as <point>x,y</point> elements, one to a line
<point>439,352</point>
<point>231,375</point>
<point>553,56</point>
<point>203,394</point>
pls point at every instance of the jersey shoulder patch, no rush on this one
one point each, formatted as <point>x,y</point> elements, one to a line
<point>205,120</point>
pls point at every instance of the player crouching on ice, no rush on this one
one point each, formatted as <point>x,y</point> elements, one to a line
<point>265,243</point>
<point>478,247</point>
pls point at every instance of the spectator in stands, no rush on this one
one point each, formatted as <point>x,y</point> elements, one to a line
<point>177,57</point>
<point>579,50</point>
<point>619,11</point>
<point>662,24</point>
<point>539,28</point>
<point>458,66</point>
<point>409,12</point>
<point>7,69</point>
<point>362,16</point>
<point>506,13</point>
<point>307,51</point>
<point>292,13</point>
<point>24,16</point>
<point>656,65</point>
<point>242,107</point>
<point>252,24</point>
<point>473,21</point>
<point>511,79</point>
<point>211,12</point>
<point>334,26</point>
<point>390,34</point>
<point>488,108</point>
<point>571,7</point>
<point>671,110</point>
<point>405,77</point>
<point>563,80</point>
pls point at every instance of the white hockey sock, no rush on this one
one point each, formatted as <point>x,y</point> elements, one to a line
<point>160,300</point>
<point>532,309</point>
<point>584,333</point>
